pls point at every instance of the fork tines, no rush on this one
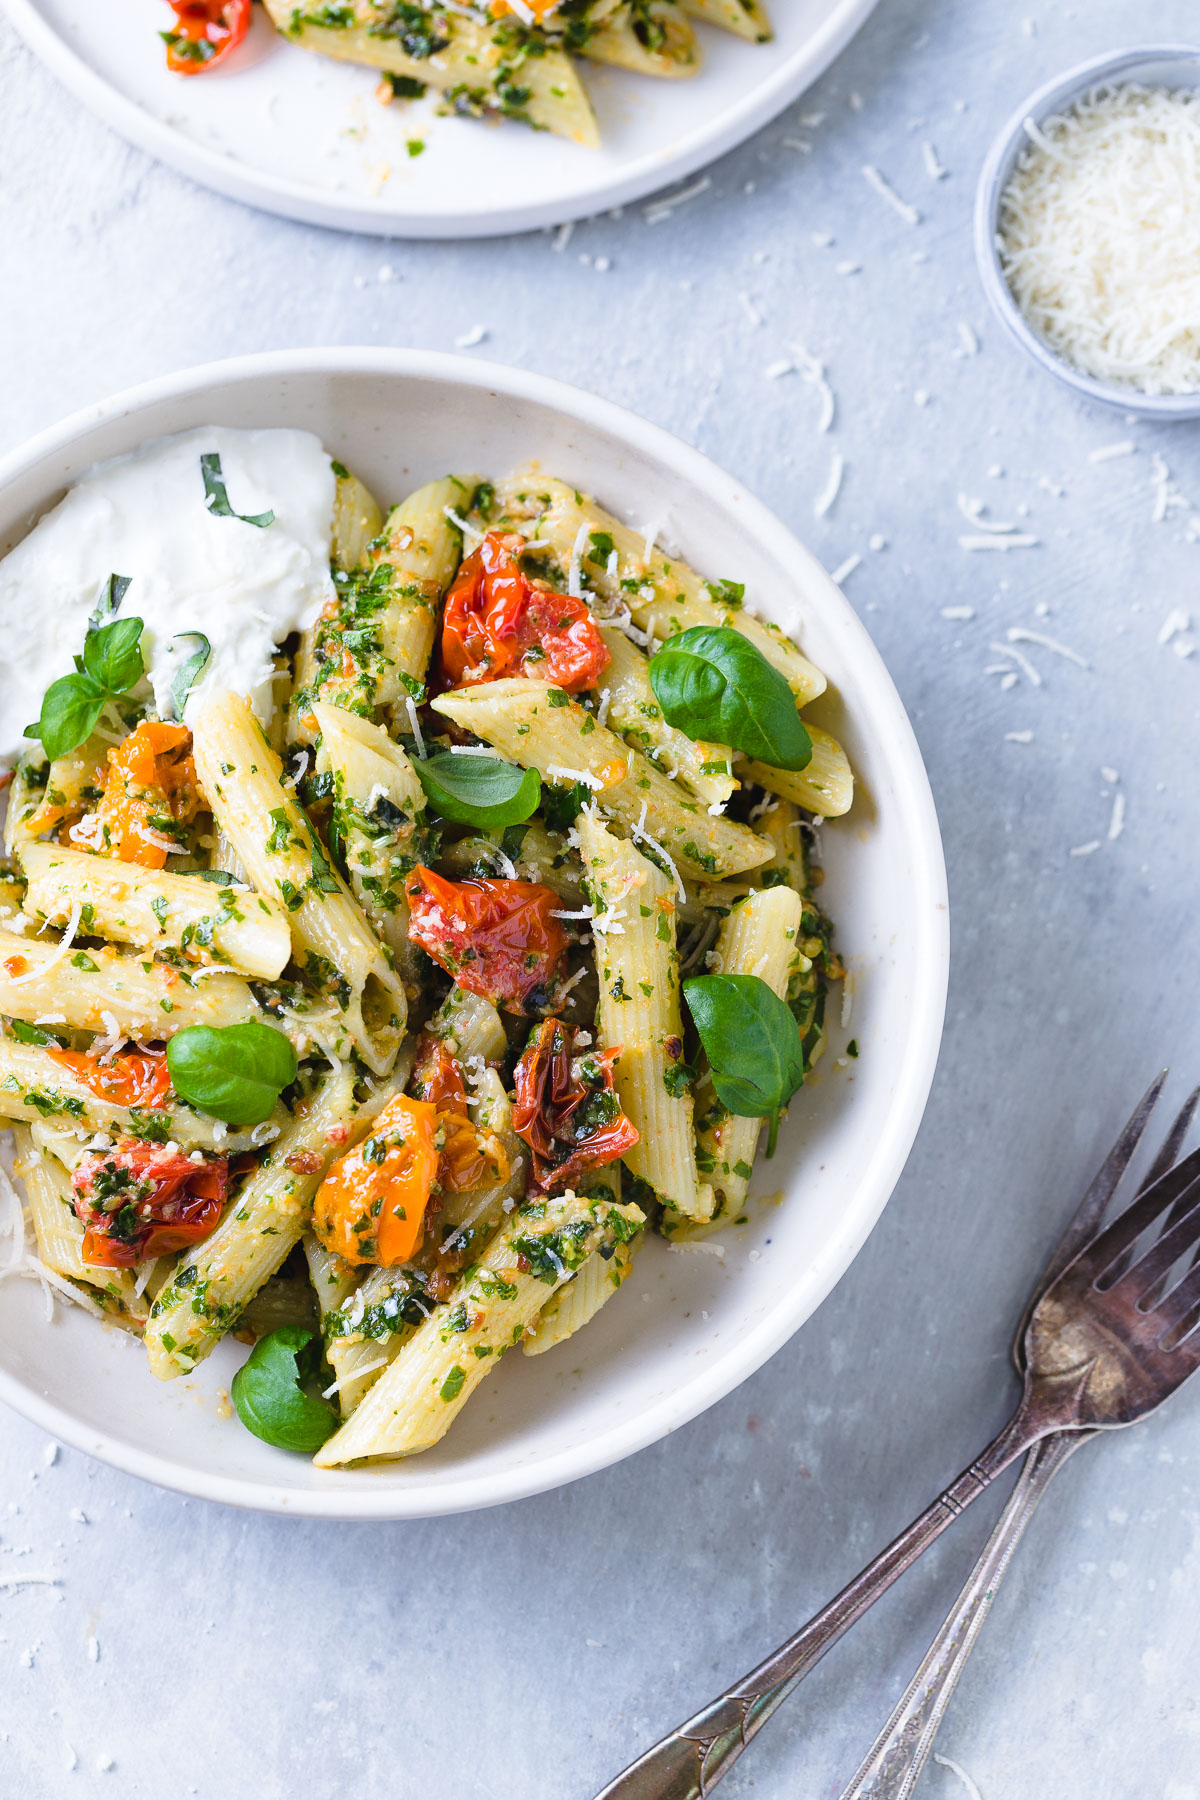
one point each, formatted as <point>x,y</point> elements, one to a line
<point>1173,1204</point>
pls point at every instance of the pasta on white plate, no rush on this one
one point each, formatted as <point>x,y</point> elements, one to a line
<point>375,1014</point>
<point>484,59</point>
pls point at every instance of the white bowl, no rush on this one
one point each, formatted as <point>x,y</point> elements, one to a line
<point>1154,65</point>
<point>687,1327</point>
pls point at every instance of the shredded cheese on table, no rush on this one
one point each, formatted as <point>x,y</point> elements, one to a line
<point>1099,236</point>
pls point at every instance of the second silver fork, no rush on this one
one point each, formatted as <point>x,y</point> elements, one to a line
<point>892,1767</point>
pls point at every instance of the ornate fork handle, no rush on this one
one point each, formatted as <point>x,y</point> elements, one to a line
<point>894,1762</point>
<point>688,1764</point>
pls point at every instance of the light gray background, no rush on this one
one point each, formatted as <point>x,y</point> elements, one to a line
<point>527,1652</point>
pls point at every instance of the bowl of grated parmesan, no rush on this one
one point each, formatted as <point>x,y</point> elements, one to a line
<point>1087,229</point>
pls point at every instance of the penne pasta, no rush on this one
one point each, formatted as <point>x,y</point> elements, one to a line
<point>745,18</point>
<point>661,594</point>
<point>760,937</point>
<point>242,779</point>
<point>417,1399</point>
<point>438,1174</point>
<point>263,1223</point>
<point>648,37</point>
<point>825,787</point>
<point>101,989</point>
<point>35,1086</point>
<point>640,1016</point>
<point>545,729</point>
<point>485,68</point>
<point>59,1232</point>
<point>576,1303</point>
<point>635,713</point>
<point>378,821</point>
<point>206,921</point>
<point>370,650</point>
<point>357,521</point>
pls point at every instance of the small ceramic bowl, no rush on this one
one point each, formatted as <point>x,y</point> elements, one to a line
<point>1154,65</point>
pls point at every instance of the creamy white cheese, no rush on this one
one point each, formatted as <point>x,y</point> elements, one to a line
<point>145,516</point>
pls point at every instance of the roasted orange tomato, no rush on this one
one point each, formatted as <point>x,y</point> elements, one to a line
<point>205,32</point>
<point>499,622</point>
<point>141,1200</point>
<point>539,8</point>
<point>462,1160</point>
<point>150,789</point>
<point>132,1078</point>
<point>565,1108</point>
<point>370,1208</point>
<point>497,938</point>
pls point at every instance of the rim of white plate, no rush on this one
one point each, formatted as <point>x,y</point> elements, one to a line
<point>929,952</point>
<point>312,206</point>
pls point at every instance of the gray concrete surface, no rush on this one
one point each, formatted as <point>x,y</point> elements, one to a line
<point>524,1653</point>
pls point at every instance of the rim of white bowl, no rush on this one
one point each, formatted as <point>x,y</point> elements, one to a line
<point>1051,97</point>
<point>929,954</point>
<point>296,200</point>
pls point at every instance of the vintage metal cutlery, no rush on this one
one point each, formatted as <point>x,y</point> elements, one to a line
<point>1111,1333</point>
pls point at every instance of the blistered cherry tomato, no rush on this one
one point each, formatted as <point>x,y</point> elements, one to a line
<point>206,31</point>
<point>141,1200</point>
<point>499,622</point>
<point>566,1109</point>
<point>497,938</point>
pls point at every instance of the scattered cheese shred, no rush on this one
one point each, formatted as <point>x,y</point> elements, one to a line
<point>1099,236</point>
<point>64,944</point>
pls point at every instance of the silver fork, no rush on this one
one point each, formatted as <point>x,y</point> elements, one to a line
<point>891,1768</point>
<point>1106,1343</point>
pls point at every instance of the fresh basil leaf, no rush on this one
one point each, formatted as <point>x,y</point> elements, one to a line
<point>28,1034</point>
<point>191,671</point>
<point>231,1072</point>
<point>274,1392</point>
<point>70,708</point>
<point>752,1042</point>
<point>109,603</point>
<point>561,806</point>
<point>479,790</point>
<point>112,656</point>
<point>713,684</point>
<point>222,877</point>
<point>217,500</point>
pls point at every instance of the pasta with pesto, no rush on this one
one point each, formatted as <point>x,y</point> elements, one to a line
<point>351,1008</point>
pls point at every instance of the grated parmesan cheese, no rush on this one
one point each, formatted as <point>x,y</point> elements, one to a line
<point>1099,236</point>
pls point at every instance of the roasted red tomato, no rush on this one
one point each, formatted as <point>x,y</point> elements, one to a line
<point>132,1078</point>
<point>499,622</point>
<point>142,1200</point>
<point>565,1108</point>
<point>205,32</point>
<point>497,938</point>
<point>462,1160</point>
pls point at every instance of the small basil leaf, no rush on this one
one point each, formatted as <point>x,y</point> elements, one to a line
<point>70,708</point>
<point>479,790</point>
<point>217,500</point>
<point>273,1397</point>
<point>752,1042</point>
<point>28,1034</point>
<point>112,656</point>
<point>191,671</point>
<point>231,1072</point>
<point>561,806</point>
<point>109,603</point>
<point>713,684</point>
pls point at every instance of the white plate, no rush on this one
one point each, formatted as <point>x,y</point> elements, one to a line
<point>301,135</point>
<point>687,1327</point>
